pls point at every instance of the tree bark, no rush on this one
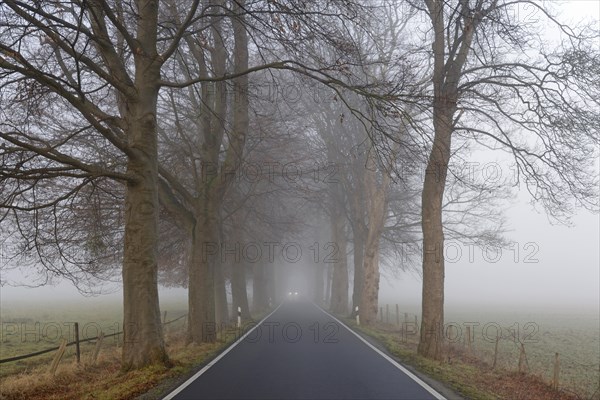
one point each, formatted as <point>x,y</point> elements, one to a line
<point>143,337</point>
<point>143,342</point>
<point>212,188</point>
<point>377,195</point>
<point>359,273</point>
<point>328,279</point>
<point>432,320</point>
<point>221,306</point>
<point>239,293</point>
<point>339,281</point>
<point>369,304</point>
<point>446,78</point>
<point>357,223</point>
<point>239,285</point>
<point>201,293</point>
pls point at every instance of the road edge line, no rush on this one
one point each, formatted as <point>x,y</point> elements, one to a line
<point>185,384</point>
<point>415,378</point>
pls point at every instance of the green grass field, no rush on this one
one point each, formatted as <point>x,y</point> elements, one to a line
<point>27,329</point>
<point>29,379</point>
<point>574,335</point>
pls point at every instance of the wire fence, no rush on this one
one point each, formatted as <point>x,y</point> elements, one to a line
<point>73,343</point>
<point>509,350</point>
<point>504,352</point>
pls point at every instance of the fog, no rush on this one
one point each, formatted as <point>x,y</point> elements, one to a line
<point>555,267</point>
<point>565,277</point>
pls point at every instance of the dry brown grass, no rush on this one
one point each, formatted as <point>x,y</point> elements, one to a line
<point>104,381</point>
<point>467,374</point>
<point>37,383</point>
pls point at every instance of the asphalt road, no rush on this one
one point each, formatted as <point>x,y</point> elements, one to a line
<point>300,352</point>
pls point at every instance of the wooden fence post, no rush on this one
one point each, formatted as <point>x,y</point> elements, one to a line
<point>97,348</point>
<point>556,371</point>
<point>468,339</point>
<point>496,352</point>
<point>58,356</point>
<point>381,314</point>
<point>387,313</point>
<point>397,315</point>
<point>416,321</point>
<point>522,359</point>
<point>165,327</point>
<point>77,348</point>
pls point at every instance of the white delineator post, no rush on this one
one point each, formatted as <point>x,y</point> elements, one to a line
<point>239,317</point>
<point>357,316</point>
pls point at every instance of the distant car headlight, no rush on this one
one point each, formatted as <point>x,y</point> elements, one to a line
<point>295,293</point>
<point>290,293</point>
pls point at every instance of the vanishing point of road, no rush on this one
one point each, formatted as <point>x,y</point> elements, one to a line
<point>301,352</point>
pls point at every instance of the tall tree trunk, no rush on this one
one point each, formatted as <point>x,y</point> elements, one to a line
<point>446,78</point>
<point>432,320</point>
<point>339,281</point>
<point>201,292</point>
<point>211,189</point>
<point>377,206</point>
<point>239,293</point>
<point>357,209</point>
<point>221,306</point>
<point>143,337</point>
<point>239,285</point>
<point>359,273</point>
<point>143,342</point>
<point>241,121</point>
<point>369,302</point>
<point>328,282</point>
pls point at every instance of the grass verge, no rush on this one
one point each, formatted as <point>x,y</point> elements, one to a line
<point>104,381</point>
<point>467,376</point>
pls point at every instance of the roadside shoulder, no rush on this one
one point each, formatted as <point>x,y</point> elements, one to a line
<point>438,386</point>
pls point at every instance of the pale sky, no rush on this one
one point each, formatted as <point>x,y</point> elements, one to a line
<point>567,274</point>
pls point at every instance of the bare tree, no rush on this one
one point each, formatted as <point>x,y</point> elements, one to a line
<point>80,55</point>
<point>495,82</point>
<point>357,129</point>
<point>195,188</point>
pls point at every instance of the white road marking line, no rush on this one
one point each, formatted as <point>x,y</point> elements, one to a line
<point>391,360</point>
<point>213,362</point>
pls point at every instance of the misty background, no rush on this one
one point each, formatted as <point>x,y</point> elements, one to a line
<point>556,267</point>
<point>566,275</point>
